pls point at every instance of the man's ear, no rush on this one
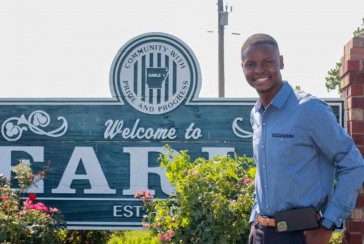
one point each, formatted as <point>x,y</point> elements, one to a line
<point>281,63</point>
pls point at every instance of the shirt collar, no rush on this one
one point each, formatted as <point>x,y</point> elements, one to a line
<point>279,99</point>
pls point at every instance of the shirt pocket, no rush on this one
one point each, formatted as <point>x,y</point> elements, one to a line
<point>289,148</point>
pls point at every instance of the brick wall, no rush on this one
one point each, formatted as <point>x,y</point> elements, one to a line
<point>352,83</point>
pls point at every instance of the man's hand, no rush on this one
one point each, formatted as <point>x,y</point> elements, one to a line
<point>318,236</point>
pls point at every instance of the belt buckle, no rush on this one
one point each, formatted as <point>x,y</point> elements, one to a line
<point>266,219</point>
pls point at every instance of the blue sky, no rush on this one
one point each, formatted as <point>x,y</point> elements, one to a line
<point>52,48</point>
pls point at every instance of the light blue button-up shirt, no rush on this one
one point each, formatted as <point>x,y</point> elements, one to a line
<point>299,148</point>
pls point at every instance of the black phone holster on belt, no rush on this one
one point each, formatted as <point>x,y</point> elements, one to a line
<point>296,219</point>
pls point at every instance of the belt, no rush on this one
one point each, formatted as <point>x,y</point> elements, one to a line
<point>266,221</point>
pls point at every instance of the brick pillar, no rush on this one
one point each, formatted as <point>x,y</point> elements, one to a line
<point>352,83</point>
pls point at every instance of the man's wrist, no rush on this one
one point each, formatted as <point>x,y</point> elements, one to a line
<point>327,224</point>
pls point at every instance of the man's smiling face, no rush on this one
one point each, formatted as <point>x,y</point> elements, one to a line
<point>261,65</point>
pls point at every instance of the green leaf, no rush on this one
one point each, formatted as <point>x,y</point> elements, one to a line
<point>252,172</point>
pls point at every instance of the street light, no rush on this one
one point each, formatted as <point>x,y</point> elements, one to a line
<point>222,22</point>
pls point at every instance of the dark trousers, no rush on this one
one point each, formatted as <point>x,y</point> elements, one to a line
<point>268,235</point>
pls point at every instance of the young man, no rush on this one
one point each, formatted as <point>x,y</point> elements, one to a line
<point>299,149</point>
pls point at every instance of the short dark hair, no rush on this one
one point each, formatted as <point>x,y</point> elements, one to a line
<point>259,38</point>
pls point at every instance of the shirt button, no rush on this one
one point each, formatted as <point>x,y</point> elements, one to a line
<point>263,166</point>
<point>265,186</point>
<point>263,124</point>
<point>267,206</point>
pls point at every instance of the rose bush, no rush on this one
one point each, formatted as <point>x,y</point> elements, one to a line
<point>26,221</point>
<point>211,204</point>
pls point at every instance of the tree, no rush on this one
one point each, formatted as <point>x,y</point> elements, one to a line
<point>360,28</point>
<point>333,76</point>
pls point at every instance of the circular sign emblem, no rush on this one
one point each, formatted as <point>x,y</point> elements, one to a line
<point>154,73</point>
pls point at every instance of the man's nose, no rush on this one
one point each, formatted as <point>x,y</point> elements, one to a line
<point>259,68</point>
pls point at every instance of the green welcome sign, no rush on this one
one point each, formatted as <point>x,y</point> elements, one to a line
<point>102,151</point>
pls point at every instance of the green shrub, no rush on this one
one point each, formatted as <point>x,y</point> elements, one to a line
<point>132,237</point>
<point>336,238</point>
<point>26,221</point>
<point>84,236</point>
<point>211,204</point>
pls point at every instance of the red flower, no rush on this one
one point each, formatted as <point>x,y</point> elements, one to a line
<point>167,236</point>
<point>4,197</point>
<point>27,203</point>
<point>53,210</point>
<point>39,206</point>
<point>32,197</point>
<point>247,181</point>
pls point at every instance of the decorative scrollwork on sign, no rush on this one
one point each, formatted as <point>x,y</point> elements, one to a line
<point>13,128</point>
<point>238,131</point>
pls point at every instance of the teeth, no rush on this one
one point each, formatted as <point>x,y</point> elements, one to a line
<point>262,79</point>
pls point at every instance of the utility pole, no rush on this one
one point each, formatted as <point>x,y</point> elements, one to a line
<point>222,21</point>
